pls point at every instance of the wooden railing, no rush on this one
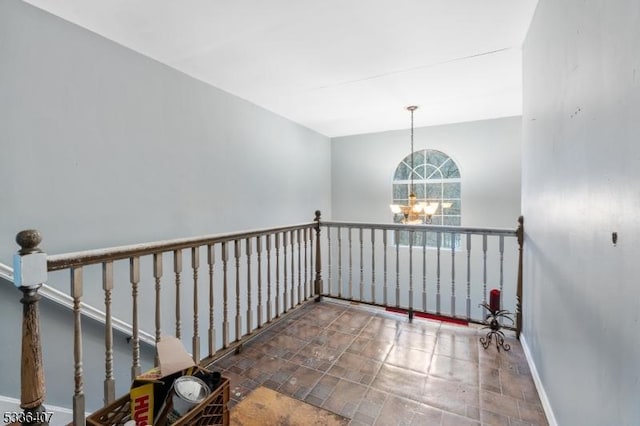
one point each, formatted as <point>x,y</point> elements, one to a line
<point>272,269</point>
<point>263,275</point>
<point>417,268</point>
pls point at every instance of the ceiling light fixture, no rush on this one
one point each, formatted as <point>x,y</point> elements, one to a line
<point>415,213</point>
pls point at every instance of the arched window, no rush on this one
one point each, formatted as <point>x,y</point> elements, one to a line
<point>436,179</point>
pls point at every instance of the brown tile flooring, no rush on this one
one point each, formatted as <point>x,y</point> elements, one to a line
<point>377,368</point>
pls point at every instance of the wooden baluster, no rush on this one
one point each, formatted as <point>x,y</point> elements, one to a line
<point>236,246</point>
<point>269,302</point>
<point>373,265</point>
<point>501,239</point>
<point>312,256</point>
<point>288,297</point>
<point>311,265</point>
<point>484,268</point>
<point>305,237</point>
<point>300,291</point>
<point>157,275</point>
<point>312,289</point>
<point>177,269</point>
<point>520,236</point>
<point>195,341</point>
<point>438,244</point>
<point>350,267</point>
<point>277,242</point>
<point>411,237</point>
<point>329,256</point>
<point>259,254</point>
<point>361,267</point>
<point>453,274</point>
<point>30,272</point>
<point>249,302</point>
<point>424,271</point>
<point>468,276</point>
<point>109,380</point>
<point>285,297</point>
<point>339,262</point>
<point>293,275</point>
<point>134,274</point>
<point>225,296</point>
<point>397,241</point>
<point>384,267</point>
<point>318,279</point>
<point>78,378</point>
<point>211,259</point>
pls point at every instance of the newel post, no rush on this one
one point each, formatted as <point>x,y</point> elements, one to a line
<point>318,280</point>
<point>520,235</point>
<point>30,272</point>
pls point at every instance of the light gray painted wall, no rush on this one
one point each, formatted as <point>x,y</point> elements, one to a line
<point>580,172</point>
<point>487,153</point>
<point>101,146</point>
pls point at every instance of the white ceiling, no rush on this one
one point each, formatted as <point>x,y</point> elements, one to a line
<point>340,67</point>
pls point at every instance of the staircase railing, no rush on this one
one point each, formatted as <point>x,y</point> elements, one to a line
<point>272,269</point>
<point>252,278</point>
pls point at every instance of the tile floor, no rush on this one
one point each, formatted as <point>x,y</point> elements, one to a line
<point>377,368</point>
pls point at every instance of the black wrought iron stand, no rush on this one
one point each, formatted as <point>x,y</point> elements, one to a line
<point>494,326</point>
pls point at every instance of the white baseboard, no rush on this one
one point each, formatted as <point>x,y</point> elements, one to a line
<point>544,399</point>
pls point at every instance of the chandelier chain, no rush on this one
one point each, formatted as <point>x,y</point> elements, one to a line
<point>415,212</point>
<point>412,109</point>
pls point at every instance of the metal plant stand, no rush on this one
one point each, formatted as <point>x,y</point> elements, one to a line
<point>494,326</point>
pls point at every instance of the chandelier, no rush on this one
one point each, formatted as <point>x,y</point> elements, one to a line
<point>415,212</point>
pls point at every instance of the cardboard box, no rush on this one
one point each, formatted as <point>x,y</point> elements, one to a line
<point>149,390</point>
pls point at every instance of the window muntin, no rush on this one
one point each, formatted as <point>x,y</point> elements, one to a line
<point>436,178</point>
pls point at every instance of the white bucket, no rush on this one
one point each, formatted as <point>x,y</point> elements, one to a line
<point>188,391</point>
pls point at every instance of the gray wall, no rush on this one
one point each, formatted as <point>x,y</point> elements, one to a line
<point>487,153</point>
<point>580,173</point>
<point>102,146</point>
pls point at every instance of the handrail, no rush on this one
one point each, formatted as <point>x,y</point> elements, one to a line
<point>88,257</point>
<point>289,283</point>
<point>431,228</point>
<point>6,272</point>
<point>89,311</point>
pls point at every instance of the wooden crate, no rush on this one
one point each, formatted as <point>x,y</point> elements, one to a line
<point>211,411</point>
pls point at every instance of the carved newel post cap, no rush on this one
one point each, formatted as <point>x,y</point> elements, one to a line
<point>29,240</point>
<point>317,214</point>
